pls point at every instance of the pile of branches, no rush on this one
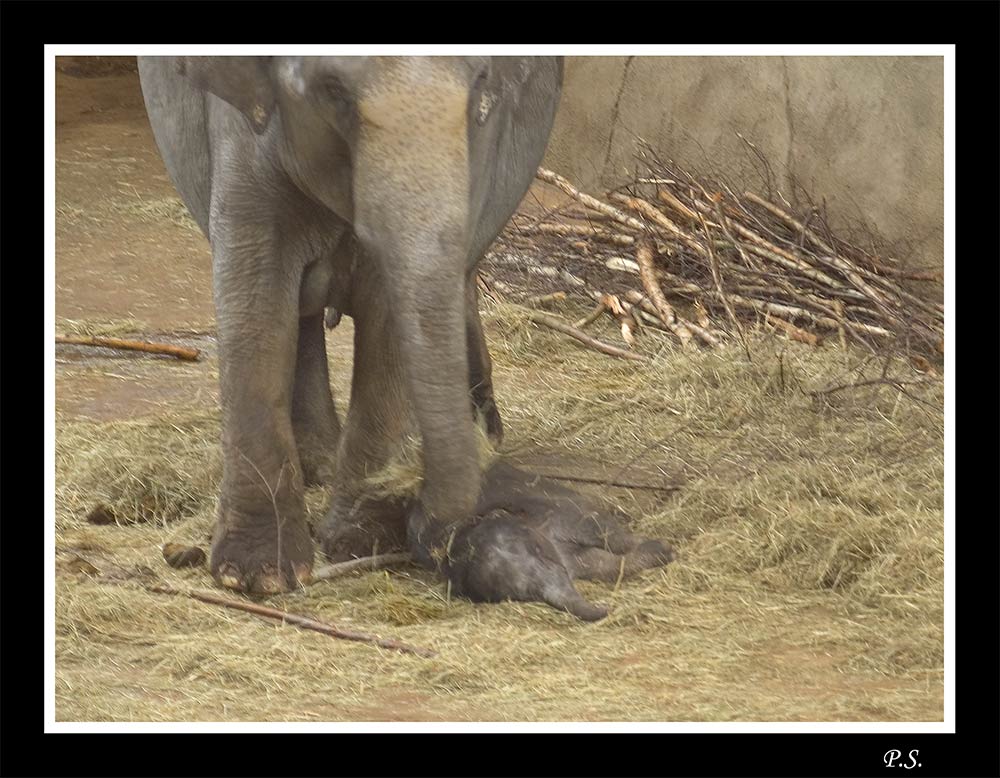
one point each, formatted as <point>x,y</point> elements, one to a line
<point>709,259</point>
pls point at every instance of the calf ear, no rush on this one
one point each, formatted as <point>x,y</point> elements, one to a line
<point>243,82</point>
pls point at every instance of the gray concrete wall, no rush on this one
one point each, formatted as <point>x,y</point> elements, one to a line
<point>866,133</point>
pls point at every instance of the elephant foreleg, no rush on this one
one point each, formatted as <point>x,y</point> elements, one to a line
<point>261,541</point>
<point>314,415</point>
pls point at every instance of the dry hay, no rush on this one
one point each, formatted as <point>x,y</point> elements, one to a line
<point>809,584</point>
<point>128,205</point>
<point>99,328</point>
<point>142,470</point>
<point>154,209</point>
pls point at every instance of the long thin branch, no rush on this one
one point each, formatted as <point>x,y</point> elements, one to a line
<point>644,256</point>
<point>608,482</point>
<point>667,197</point>
<point>717,277</point>
<point>377,562</point>
<point>596,312</point>
<point>591,202</point>
<point>583,230</point>
<point>584,338</point>
<point>293,618</point>
<point>781,309</point>
<point>776,253</point>
<point>660,220</point>
<point>180,352</point>
<point>682,286</point>
<point>793,332</point>
<point>822,245</point>
<point>790,220</point>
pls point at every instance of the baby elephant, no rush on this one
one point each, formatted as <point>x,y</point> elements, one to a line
<point>369,187</point>
<point>532,536</point>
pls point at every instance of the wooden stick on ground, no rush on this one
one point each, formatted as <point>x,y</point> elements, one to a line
<point>646,306</point>
<point>644,256</point>
<point>292,618</point>
<point>667,197</point>
<point>681,286</point>
<point>829,249</point>
<point>591,202</point>
<point>541,299</point>
<point>775,253</point>
<point>593,316</point>
<point>660,220</point>
<point>793,332</point>
<point>717,277</point>
<point>838,308</point>
<point>684,287</point>
<point>786,267</point>
<point>790,220</point>
<point>583,230</point>
<point>598,345</point>
<point>377,562</point>
<point>622,313</point>
<point>181,352</point>
<point>606,482</point>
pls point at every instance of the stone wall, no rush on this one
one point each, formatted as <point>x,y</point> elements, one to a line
<point>866,133</point>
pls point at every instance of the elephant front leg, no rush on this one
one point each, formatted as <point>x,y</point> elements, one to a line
<point>314,415</point>
<point>261,541</point>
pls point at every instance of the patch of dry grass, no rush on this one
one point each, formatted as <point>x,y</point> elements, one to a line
<point>144,470</point>
<point>130,206</point>
<point>809,584</point>
<point>97,328</point>
<point>159,210</point>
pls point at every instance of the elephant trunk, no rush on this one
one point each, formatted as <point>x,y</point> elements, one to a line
<point>412,213</point>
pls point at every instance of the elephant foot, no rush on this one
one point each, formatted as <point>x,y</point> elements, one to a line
<point>261,556</point>
<point>530,538</point>
<point>363,527</point>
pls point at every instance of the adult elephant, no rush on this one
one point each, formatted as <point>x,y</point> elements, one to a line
<point>371,187</point>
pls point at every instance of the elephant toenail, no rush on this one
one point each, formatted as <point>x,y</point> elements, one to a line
<point>270,583</point>
<point>230,581</point>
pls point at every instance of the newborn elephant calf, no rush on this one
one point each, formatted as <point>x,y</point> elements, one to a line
<point>370,186</point>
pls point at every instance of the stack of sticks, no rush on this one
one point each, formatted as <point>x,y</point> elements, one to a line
<point>706,260</point>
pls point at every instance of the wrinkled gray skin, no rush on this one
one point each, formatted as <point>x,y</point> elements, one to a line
<point>371,187</point>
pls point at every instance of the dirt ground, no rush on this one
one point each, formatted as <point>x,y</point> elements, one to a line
<point>736,644</point>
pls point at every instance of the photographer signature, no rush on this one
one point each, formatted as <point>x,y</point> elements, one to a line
<point>893,758</point>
